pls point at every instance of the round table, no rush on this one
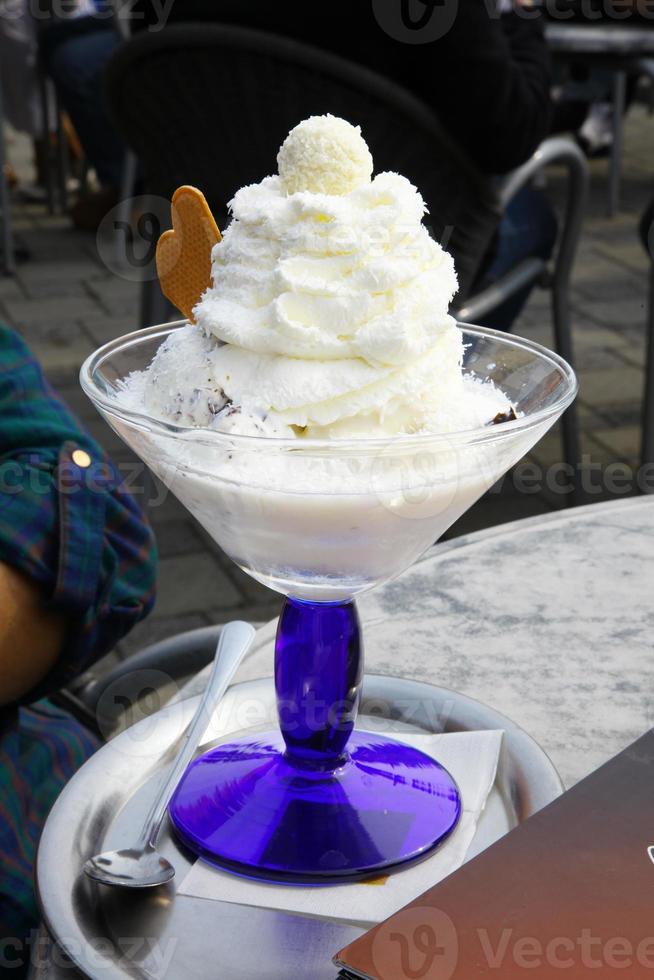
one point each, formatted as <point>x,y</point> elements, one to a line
<point>613,44</point>
<point>550,620</point>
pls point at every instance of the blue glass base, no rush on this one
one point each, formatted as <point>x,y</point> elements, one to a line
<point>248,807</point>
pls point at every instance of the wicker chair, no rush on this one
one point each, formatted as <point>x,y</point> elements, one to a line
<point>209,105</point>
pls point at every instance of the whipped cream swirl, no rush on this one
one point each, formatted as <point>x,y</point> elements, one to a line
<point>328,314</point>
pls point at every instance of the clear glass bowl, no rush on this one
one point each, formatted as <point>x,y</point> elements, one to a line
<point>326,520</point>
<point>321,521</point>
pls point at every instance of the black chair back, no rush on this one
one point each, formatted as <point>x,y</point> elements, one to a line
<point>209,105</point>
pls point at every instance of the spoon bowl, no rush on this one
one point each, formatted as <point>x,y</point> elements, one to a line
<point>130,867</point>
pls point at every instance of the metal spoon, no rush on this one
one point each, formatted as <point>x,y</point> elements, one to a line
<point>141,866</point>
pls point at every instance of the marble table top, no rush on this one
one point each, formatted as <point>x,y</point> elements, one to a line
<point>606,40</point>
<point>549,620</point>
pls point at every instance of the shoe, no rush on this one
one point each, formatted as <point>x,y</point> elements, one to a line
<point>596,135</point>
<point>89,209</point>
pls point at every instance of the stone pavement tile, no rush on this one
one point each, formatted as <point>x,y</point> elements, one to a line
<point>631,255</point>
<point>178,538</point>
<point>588,417</point>
<point>59,346</point>
<point>620,416</point>
<point>609,282</point>
<point>633,352</point>
<point>31,274</point>
<point>100,430</point>
<point>586,334</point>
<point>162,505</point>
<point>47,311</point>
<point>252,590</point>
<point>540,333</point>
<point>57,240</point>
<point>10,289</point>
<point>54,289</point>
<point>634,338</point>
<point>611,387</point>
<point>624,441</point>
<point>549,450</point>
<point>158,628</point>
<point>102,328</point>
<point>193,583</point>
<point>251,613</point>
<point>617,313</point>
<point>118,297</point>
<point>81,405</point>
<point>590,357</point>
<point>591,269</point>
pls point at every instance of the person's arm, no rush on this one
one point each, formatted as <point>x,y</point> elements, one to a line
<point>491,84</point>
<point>70,529</point>
<point>31,635</point>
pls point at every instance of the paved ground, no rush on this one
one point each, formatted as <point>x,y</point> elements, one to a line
<point>66,302</point>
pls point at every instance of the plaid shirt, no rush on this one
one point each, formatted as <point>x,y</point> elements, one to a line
<point>66,522</point>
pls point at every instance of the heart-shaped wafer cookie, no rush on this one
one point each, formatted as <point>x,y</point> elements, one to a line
<point>184,252</point>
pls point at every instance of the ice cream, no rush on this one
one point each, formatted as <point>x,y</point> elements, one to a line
<point>327,316</point>
<point>326,319</point>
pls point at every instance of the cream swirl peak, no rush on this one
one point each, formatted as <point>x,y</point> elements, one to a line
<point>329,300</point>
<point>353,273</point>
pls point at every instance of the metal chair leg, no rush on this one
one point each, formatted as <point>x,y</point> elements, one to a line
<point>647,449</point>
<point>124,209</point>
<point>570,419</point>
<point>577,193</point>
<point>619,102</point>
<point>8,258</point>
<point>62,160</point>
<point>155,308</point>
<point>47,143</point>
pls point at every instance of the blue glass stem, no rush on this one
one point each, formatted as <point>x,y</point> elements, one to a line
<point>318,674</point>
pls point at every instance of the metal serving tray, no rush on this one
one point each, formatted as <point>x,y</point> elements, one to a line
<point>112,934</point>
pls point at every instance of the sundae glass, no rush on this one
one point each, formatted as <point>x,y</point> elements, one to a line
<point>322,500</point>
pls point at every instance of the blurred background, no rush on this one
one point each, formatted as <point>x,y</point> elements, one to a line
<point>84,203</point>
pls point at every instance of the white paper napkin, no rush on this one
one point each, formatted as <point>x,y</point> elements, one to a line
<point>471,757</point>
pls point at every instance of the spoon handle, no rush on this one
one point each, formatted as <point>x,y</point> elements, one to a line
<point>234,642</point>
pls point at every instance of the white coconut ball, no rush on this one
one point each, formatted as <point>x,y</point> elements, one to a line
<point>324,155</point>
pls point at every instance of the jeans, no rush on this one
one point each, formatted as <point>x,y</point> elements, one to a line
<point>528,229</point>
<point>75,54</point>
